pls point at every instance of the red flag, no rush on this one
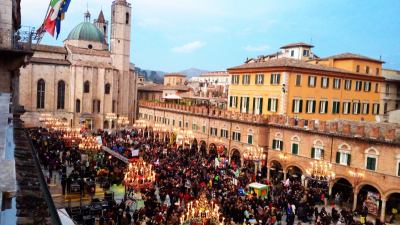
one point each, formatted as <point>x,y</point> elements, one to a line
<point>50,25</point>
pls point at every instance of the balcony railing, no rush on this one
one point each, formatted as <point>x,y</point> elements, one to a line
<point>23,38</point>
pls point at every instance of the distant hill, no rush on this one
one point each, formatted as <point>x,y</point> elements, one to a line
<point>193,72</point>
<point>152,75</point>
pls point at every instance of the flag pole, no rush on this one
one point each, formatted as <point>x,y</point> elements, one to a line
<point>40,36</point>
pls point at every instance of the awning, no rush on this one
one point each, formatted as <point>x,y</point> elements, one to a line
<point>172,97</point>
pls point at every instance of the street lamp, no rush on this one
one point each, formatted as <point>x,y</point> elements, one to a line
<point>255,154</point>
<point>357,177</point>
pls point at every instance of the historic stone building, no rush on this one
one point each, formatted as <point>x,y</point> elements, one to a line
<point>89,79</point>
<point>365,156</point>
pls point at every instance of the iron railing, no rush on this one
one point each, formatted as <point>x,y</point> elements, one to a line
<point>23,38</point>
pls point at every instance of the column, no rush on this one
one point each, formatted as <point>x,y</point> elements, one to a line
<point>383,210</point>
<point>355,200</point>
<point>284,175</point>
<point>268,173</point>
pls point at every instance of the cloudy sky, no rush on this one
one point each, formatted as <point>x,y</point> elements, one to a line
<point>172,35</point>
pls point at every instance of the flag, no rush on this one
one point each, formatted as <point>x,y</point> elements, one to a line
<point>55,15</point>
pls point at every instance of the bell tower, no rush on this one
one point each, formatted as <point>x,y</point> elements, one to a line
<point>120,41</point>
<point>102,25</point>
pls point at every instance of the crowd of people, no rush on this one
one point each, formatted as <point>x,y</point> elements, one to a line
<point>183,173</point>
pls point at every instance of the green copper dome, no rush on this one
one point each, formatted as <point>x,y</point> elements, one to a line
<point>86,31</point>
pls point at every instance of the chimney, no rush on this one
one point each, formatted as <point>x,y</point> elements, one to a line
<point>346,129</point>
<point>360,131</point>
<point>374,132</point>
<point>390,134</point>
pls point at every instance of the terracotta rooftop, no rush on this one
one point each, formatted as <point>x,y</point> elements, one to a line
<point>49,48</point>
<point>297,44</point>
<point>39,60</point>
<point>287,62</point>
<point>174,75</point>
<point>151,87</point>
<point>86,51</point>
<point>348,55</point>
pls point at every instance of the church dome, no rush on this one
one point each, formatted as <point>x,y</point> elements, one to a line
<point>86,31</point>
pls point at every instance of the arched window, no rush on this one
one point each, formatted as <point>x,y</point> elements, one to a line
<point>86,87</point>
<point>295,145</point>
<point>107,89</point>
<point>40,96</point>
<point>371,159</point>
<point>60,94</point>
<point>317,151</point>
<point>127,18</point>
<point>343,155</point>
<point>78,105</point>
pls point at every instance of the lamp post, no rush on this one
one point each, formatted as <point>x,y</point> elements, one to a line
<point>284,158</point>
<point>138,175</point>
<point>357,178</point>
<point>202,211</point>
<point>255,154</point>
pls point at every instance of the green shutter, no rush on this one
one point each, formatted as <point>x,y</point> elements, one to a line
<point>277,105</point>
<point>261,105</point>
<point>240,109</point>
<point>230,101</point>
<point>293,102</point>
<point>281,145</point>
<point>295,149</point>
<point>273,144</point>
<point>348,159</point>
<point>326,107</point>
<point>270,80</point>
<point>247,104</point>
<point>313,108</point>
<point>313,153</point>
<point>278,78</point>
<point>301,106</point>
<point>254,105</point>
<point>338,157</point>
<point>250,139</point>
<point>322,154</point>
<point>269,104</point>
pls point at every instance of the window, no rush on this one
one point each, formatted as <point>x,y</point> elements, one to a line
<point>187,124</point>
<point>86,87</point>
<point>246,79</point>
<point>311,81</point>
<point>310,104</point>
<point>367,86</point>
<point>297,106</point>
<point>295,145</point>
<point>335,107</point>
<point>204,129</point>
<point>298,80</point>
<point>96,106</point>
<point>236,136</point>
<point>317,153</point>
<point>114,106</point>
<point>235,79</point>
<point>377,72</point>
<point>356,108</point>
<point>336,83</point>
<point>173,122</point>
<point>224,133</point>
<point>346,108</point>
<point>385,108</point>
<point>257,105</point>
<point>343,157</point>
<point>305,52</point>
<point>292,53</point>
<point>323,106</point>
<point>107,89</point>
<point>180,123</point>
<point>277,144</point>
<point>376,87</point>
<point>61,94</point>
<point>367,70</point>
<point>77,105</point>
<point>371,159</point>
<point>324,82</point>
<point>358,85</point>
<point>260,79</point>
<point>275,79</point>
<point>272,104</point>
<point>365,108</point>
<point>127,18</point>
<point>40,94</point>
<point>347,85</point>
<point>233,101</point>
<point>358,68</point>
<point>387,89</point>
<point>250,139</point>
<point>213,131</point>
<point>244,104</point>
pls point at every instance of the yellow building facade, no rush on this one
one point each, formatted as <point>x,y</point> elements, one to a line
<point>346,87</point>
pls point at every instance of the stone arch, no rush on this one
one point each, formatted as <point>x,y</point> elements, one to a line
<point>294,171</point>
<point>276,170</point>
<point>368,151</point>
<point>318,142</point>
<point>372,184</point>
<point>278,135</point>
<point>390,192</point>
<point>236,156</point>
<point>293,164</point>
<point>344,187</point>
<point>203,148</point>
<point>345,146</point>
<point>295,138</point>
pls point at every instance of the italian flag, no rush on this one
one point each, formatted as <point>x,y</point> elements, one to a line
<point>57,9</point>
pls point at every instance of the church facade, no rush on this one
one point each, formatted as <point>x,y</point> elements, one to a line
<point>89,80</point>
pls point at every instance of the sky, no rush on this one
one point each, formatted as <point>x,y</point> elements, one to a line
<point>173,35</point>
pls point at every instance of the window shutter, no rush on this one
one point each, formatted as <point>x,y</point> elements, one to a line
<point>236,102</point>
<point>247,104</point>
<point>281,145</point>
<point>261,105</point>
<point>337,157</point>
<point>254,105</point>
<point>348,159</point>
<point>309,80</point>
<point>241,99</point>
<point>278,78</point>
<point>273,144</point>
<point>295,149</point>
<point>269,104</point>
<point>322,82</point>
<point>327,82</point>
<point>293,103</point>
<point>239,137</point>
<point>326,107</point>
<point>313,153</point>
<point>320,107</point>
<point>313,106</point>
<point>270,80</point>
<point>367,108</point>
<point>277,105</point>
<point>322,154</point>
<point>301,106</point>
<point>230,101</point>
